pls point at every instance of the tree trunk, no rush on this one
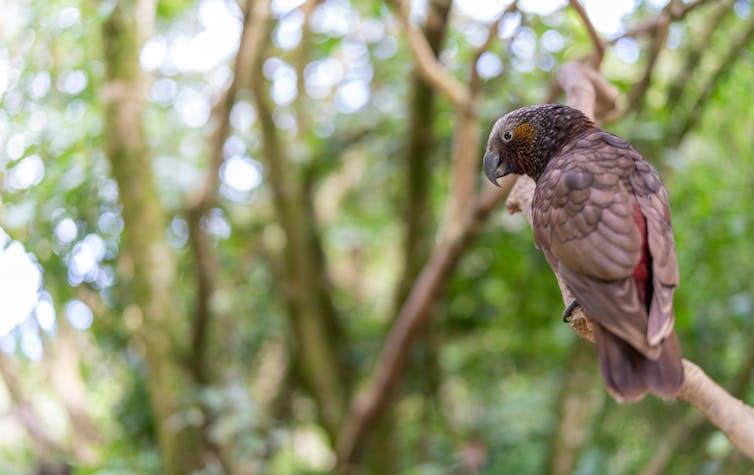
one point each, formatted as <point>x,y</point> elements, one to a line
<point>306,287</point>
<point>146,264</point>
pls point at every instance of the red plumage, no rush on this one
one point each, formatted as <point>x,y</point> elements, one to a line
<point>642,271</point>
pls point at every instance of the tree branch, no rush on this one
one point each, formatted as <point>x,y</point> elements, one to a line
<point>475,81</point>
<point>692,59</point>
<point>410,322</point>
<point>204,198</point>
<point>417,214</point>
<point>466,141</point>
<point>307,286</point>
<point>734,418</point>
<point>428,65</point>
<point>693,422</point>
<point>24,410</point>
<point>147,264</point>
<point>678,12</point>
<point>587,90</point>
<point>597,42</point>
<point>693,114</point>
<point>659,36</point>
<point>730,415</point>
<point>302,58</point>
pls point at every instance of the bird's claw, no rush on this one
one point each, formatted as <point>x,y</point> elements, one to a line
<point>568,312</point>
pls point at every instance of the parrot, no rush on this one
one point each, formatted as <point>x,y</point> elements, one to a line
<point>601,216</point>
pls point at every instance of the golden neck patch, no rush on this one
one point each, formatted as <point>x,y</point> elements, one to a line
<point>524,132</point>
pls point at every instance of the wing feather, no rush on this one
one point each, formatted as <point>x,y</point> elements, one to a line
<point>594,242</point>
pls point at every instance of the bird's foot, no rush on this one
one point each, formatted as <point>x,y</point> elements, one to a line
<point>567,313</point>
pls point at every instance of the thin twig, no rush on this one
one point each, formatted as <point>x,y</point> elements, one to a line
<point>307,289</point>
<point>692,59</point>
<point>205,256</point>
<point>474,82</point>
<point>428,65</point>
<point>597,42</point>
<point>248,49</point>
<point>647,28</point>
<point>421,144</point>
<point>693,114</point>
<point>659,37</point>
<point>27,414</point>
<point>302,58</point>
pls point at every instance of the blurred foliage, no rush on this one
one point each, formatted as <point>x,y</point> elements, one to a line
<point>501,349</point>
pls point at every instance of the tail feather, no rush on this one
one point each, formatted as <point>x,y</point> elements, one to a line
<point>629,375</point>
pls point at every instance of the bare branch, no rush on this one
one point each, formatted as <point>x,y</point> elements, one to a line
<point>466,141</point>
<point>692,58</point>
<point>734,418</point>
<point>678,12</point>
<point>428,65</point>
<point>659,37</point>
<point>248,49</point>
<point>464,172</point>
<point>597,42</point>
<point>204,197</point>
<point>308,294</point>
<point>417,240</point>
<point>694,422</point>
<point>413,316</point>
<point>474,82</point>
<point>302,57</point>
<point>587,90</point>
<point>693,113</point>
<point>25,411</point>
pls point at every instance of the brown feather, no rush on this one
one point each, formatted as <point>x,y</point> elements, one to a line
<point>629,375</point>
<point>595,244</point>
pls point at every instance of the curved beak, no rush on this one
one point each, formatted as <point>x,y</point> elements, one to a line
<point>492,167</point>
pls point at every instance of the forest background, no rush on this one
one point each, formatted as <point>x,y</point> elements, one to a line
<point>254,237</point>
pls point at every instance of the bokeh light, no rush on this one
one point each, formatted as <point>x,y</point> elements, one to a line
<point>20,282</point>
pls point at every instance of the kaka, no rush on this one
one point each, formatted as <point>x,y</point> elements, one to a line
<point>601,217</point>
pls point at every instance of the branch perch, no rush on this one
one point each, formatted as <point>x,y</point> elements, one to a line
<point>734,418</point>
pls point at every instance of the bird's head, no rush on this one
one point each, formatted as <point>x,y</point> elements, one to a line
<point>524,140</point>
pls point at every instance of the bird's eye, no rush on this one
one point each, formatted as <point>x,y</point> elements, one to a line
<point>508,135</point>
